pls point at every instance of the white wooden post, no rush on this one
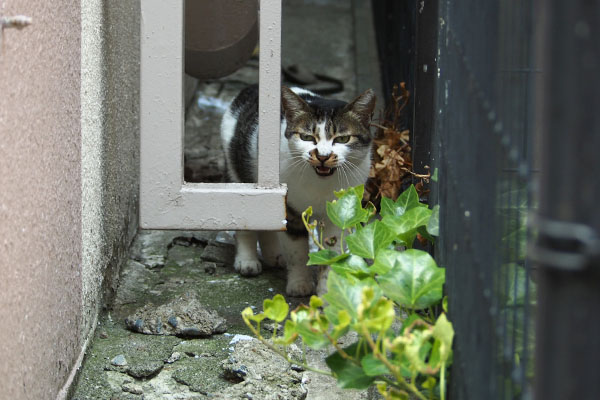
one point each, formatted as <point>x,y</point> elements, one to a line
<point>166,201</point>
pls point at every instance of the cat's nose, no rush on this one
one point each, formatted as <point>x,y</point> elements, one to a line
<point>323,158</point>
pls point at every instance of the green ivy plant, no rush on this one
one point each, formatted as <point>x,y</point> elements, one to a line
<point>379,287</point>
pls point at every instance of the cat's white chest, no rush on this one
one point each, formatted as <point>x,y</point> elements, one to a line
<point>306,188</point>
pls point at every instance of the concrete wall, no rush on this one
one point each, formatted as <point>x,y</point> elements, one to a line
<point>69,156</point>
<point>110,143</point>
<point>40,199</point>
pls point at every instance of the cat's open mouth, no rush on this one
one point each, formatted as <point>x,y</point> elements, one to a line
<point>324,171</point>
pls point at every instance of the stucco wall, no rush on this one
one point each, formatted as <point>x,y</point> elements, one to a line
<point>40,199</point>
<point>110,143</point>
<point>69,156</point>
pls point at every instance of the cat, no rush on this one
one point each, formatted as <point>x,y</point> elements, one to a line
<point>325,146</point>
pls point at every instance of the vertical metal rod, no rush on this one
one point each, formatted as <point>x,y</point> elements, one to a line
<point>269,94</point>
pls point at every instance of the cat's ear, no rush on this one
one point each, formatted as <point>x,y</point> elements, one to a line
<point>293,106</point>
<point>363,106</point>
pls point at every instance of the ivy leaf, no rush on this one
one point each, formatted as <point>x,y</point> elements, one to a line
<point>410,220</point>
<point>384,236</point>
<point>422,230</point>
<point>345,293</point>
<point>388,207</point>
<point>406,365</point>
<point>310,333</point>
<point>325,257</point>
<point>348,374</point>
<point>407,238</point>
<point>346,211</point>
<point>413,350</point>
<point>289,334</point>
<point>315,301</point>
<point>352,265</point>
<point>361,243</point>
<point>415,281</point>
<point>276,309</point>
<point>444,332</point>
<point>385,260</point>
<point>342,325</point>
<point>357,190</point>
<point>380,316</point>
<point>409,321</point>
<point>366,241</point>
<point>373,366</point>
<point>433,225</point>
<point>371,210</point>
<point>407,200</point>
<point>248,315</point>
<point>429,383</point>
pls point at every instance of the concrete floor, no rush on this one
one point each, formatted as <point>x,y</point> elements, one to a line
<point>330,37</point>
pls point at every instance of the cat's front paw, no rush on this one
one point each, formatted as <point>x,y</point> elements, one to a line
<point>299,288</point>
<point>247,266</point>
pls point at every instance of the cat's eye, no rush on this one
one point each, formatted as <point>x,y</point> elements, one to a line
<point>306,137</point>
<point>342,139</point>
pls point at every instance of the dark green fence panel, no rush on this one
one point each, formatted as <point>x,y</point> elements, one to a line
<point>483,154</point>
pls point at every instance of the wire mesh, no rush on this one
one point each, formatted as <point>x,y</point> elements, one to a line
<point>482,150</point>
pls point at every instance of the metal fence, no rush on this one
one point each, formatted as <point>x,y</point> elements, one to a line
<point>482,156</point>
<point>505,99</point>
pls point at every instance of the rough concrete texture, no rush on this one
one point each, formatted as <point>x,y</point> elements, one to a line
<point>184,316</point>
<point>40,198</point>
<point>110,148</point>
<point>124,364</point>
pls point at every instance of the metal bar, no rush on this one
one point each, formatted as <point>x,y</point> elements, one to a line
<point>222,206</point>
<point>166,202</point>
<point>269,97</point>
<point>161,104</point>
<point>424,93</point>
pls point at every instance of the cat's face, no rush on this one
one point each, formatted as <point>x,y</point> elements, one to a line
<point>329,135</point>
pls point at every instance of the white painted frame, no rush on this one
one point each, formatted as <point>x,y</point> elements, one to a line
<point>166,201</point>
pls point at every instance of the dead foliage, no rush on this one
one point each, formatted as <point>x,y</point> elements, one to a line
<point>391,170</point>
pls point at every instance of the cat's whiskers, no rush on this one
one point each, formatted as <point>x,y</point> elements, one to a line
<point>355,168</point>
<point>302,170</point>
<point>344,171</point>
<point>296,160</point>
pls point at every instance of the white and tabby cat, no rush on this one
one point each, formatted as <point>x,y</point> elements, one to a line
<point>325,146</point>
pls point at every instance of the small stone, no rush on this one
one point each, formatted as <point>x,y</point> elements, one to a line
<point>154,261</point>
<point>210,268</point>
<point>119,361</point>
<point>270,327</point>
<point>131,388</point>
<point>297,368</point>
<point>145,369</point>
<point>103,335</point>
<point>241,371</point>
<point>219,253</point>
<point>174,357</point>
<point>184,316</point>
<point>239,338</point>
